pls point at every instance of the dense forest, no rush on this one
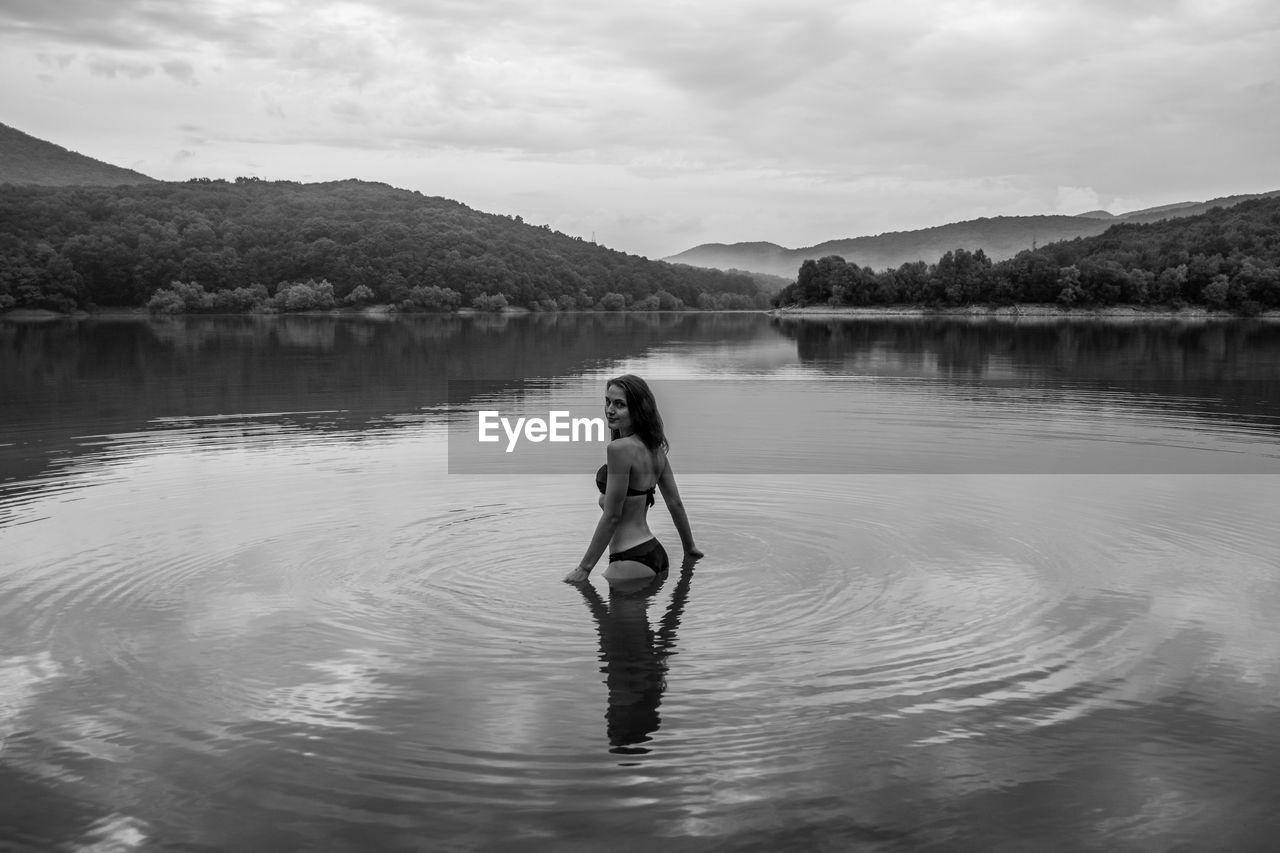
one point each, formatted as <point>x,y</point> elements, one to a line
<point>1227,259</point>
<point>250,245</point>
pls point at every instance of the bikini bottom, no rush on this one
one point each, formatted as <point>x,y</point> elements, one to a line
<point>650,553</point>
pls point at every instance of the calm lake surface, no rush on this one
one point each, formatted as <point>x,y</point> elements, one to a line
<point>968,585</point>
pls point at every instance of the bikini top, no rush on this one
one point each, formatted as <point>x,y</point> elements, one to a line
<point>602,480</point>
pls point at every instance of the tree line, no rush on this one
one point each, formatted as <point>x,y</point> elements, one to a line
<point>1226,259</point>
<point>248,245</point>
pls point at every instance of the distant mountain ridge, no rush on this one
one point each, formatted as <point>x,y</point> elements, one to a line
<point>1000,237</point>
<point>24,159</point>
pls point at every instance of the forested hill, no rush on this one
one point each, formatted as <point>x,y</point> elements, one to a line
<point>999,237</point>
<point>27,160</point>
<point>1227,258</point>
<point>247,240</point>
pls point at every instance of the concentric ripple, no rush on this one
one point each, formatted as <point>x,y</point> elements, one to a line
<point>224,634</point>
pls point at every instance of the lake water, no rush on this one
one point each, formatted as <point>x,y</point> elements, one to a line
<point>968,585</point>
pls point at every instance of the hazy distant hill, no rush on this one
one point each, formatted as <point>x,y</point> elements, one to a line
<point>27,160</point>
<point>1000,237</point>
<point>1189,208</point>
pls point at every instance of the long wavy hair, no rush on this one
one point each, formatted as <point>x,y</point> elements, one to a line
<point>643,409</point>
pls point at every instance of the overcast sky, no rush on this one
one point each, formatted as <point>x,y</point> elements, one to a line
<point>658,125</point>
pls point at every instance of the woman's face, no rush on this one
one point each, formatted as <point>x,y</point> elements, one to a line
<point>616,411</point>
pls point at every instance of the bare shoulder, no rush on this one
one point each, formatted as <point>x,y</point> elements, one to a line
<point>624,450</point>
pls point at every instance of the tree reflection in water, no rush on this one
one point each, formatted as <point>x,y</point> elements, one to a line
<point>635,655</point>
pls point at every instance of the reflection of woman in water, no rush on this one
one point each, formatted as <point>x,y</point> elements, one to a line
<point>637,455</point>
<point>634,655</point>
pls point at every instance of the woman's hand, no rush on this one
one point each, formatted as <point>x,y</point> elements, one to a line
<point>578,575</point>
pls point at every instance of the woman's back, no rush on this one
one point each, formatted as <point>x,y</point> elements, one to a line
<point>644,470</point>
<point>637,468</point>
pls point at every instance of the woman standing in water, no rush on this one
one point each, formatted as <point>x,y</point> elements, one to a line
<point>637,455</point>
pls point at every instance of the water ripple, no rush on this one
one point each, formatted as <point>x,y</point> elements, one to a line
<point>368,634</point>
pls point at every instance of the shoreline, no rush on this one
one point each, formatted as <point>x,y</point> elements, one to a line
<point>816,312</point>
<point>1016,312</point>
<point>375,311</point>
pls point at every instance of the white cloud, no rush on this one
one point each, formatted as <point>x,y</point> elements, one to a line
<point>180,70</point>
<point>105,67</point>
<point>1073,200</point>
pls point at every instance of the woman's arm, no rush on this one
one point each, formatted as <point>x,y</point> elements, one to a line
<point>671,494</point>
<point>615,495</point>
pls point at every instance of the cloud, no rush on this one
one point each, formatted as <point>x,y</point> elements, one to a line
<point>735,54</point>
<point>975,88</point>
<point>194,134</point>
<point>271,106</point>
<point>129,24</point>
<point>240,29</point>
<point>349,111</point>
<point>1074,200</point>
<point>180,70</point>
<point>111,68</point>
<point>750,112</point>
<point>59,61</point>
